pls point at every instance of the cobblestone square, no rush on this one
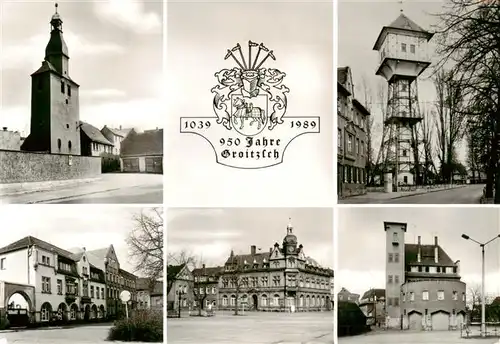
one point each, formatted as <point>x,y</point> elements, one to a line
<point>254,327</point>
<point>84,334</point>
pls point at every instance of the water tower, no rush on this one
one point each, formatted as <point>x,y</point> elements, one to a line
<point>403,48</point>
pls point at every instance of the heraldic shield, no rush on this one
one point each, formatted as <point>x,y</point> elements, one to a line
<point>249,115</point>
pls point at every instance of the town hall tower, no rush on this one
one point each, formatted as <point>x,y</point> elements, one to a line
<point>55,116</point>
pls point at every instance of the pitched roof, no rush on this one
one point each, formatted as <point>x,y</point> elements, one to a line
<point>94,134</point>
<point>120,132</point>
<point>29,241</point>
<point>100,252</point>
<point>405,23</point>
<point>149,142</point>
<point>360,107</point>
<point>174,270</point>
<point>379,293</point>
<point>210,271</point>
<point>258,258</point>
<point>426,256</point>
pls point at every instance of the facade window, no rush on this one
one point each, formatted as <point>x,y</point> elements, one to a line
<point>396,257</point>
<point>389,279</point>
<point>412,296</point>
<point>233,300</point>
<point>403,47</point>
<point>412,48</point>
<point>339,138</point>
<point>264,300</point>
<point>390,258</point>
<point>396,279</point>
<point>440,295</point>
<point>59,287</point>
<point>395,236</point>
<point>276,300</point>
<point>46,285</point>
<point>405,152</point>
<point>85,288</point>
<point>455,296</point>
<point>425,295</point>
<point>62,87</point>
<point>357,147</point>
<point>396,301</point>
<point>405,179</point>
<point>349,143</point>
<point>92,291</point>
<point>2,264</point>
<point>45,312</point>
<point>59,144</point>
<point>69,145</point>
<point>69,91</point>
<point>362,148</point>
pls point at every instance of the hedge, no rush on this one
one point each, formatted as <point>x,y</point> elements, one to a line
<point>143,326</point>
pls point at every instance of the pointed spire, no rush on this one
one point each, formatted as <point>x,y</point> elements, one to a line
<point>56,5</point>
<point>401,3</point>
<point>289,227</point>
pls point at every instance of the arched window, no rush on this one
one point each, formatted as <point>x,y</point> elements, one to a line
<point>301,301</point>
<point>233,300</point>
<point>59,144</point>
<point>45,312</point>
<point>224,300</point>
<point>276,300</point>
<point>264,300</point>
<point>69,145</point>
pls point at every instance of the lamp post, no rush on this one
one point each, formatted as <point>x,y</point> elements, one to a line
<point>483,297</point>
<point>180,293</point>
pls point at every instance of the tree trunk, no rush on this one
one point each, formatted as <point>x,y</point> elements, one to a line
<point>494,155</point>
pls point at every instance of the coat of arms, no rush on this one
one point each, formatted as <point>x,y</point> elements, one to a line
<point>250,97</point>
<point>250,102</point>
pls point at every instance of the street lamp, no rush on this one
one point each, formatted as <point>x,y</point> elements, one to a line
<point>180,293</point>
<point>483,297</point>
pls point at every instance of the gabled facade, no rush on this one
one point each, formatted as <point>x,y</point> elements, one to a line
<point>352,139</point>
<point>149,294</point>
<point>117,280</point>
<point>58,277</point>
<point>93,142</point>
<point>116,137</point>
<point>372,304</point>
<point>346,296</point>
<point>423,286</point>
<point>180,283</point>
<point>206,286</point>
<point>282,279</point>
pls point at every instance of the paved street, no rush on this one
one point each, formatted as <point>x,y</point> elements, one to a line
<point>109,188</point>
<point>85,334</point>
<point>253,328</point>
<point>469,194</point>
<point>408,337</point>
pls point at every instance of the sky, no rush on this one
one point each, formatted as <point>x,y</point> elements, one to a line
<point>67,227</point>
<point>355,44</point>
<point>198,37</point>
<point>209,234</point>
<point>115,50</point>
<point>361,233</point>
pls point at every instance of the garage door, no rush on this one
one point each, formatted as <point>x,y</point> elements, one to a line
<point>154,165</point>
<point>131,165</point>
<point>440,321</point>
<point>415,321</point>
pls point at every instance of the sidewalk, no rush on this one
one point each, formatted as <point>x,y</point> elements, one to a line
<point>42,191</point>
<point>383,196</point>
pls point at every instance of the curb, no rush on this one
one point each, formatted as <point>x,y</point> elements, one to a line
<point>63,184</point>
<point>426,192</point>
<point>73,196</point>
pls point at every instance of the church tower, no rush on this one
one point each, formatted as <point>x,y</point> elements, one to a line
<point>394,271</point>
<point>55,113</point>
<point>290,252</point>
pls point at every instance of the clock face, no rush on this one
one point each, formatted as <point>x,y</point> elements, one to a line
<point>290,249</point>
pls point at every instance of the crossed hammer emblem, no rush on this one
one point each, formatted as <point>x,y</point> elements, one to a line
<point>252,65</point>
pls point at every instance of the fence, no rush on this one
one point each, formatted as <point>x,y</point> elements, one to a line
<point>406,188</point>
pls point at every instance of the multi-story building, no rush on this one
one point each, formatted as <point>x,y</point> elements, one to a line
<point>142,152</point>
<point>282,279</point>
<point>149,294</point>
<point>116,137</point>
<point>55,283</point>
<point>372,304</point>
<point>206,286</point>
<point>346,296</point>
<point>423,286</point>
<point>352,139</point>
<point>117,280</point>
<point>179,287</point>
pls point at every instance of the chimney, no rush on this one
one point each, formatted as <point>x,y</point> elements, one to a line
<point>419,256</point>
<point>203,266</point>
<point>84,249</point>
<point>253,249</point>
<point>4,128</point>
<point>436,250</point>
<point>120,127</point>
<point>457,263</point>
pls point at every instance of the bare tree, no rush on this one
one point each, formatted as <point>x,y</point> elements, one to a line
<point>450,121</point>
<point>175,259</point>
<point>146,244</point>
<point>370,163</point>
<point>382,102</point>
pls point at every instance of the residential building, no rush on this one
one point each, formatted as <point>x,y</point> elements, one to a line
<point>54,282</point>
<point>372,304</point>
<point>93,142</point>
<point>117,280</point>
<point>10,140</point>
<point>55,112</point>
<point>352,138</point>
<point>206,286</point>
<point>142,152</point>
<point>423,286</point>
<point>347,296</point>
<point>282,279</point>
<point>116,137</point>
<point>179,287</point>
<point>149,294</point>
